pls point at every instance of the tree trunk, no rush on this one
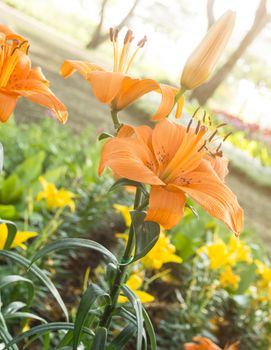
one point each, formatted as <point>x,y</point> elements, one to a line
<point>99,37</point>
<point>96,37</point>
<point>204,92</point>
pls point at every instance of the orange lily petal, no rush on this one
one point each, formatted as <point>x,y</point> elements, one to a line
<point>21,70</point>
<point>220,165</point>
<point>38,92</point>
<point>130,159</point>
<point>205,187</point>
<point>142,132</point>
<point>168,98</point>
<point>7,105</point>
<point>5,29</point>
<point>131,90</point>
<point>70,66</point>
<point>165,207</point>
<point>37,74</point>
<point>166,140</point>
<point>105,85</point>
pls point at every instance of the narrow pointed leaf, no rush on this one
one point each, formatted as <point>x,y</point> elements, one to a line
<point>146,234</point>
<point>71,243</point>
<point>126,182</point>
<point>149,328</point>
<point>44,329</point>
<point>99,341</point>
<point>37,272</point>
<point>92,293</point>
<point>123,338</point>
<point>7,280</point>
<point>136,303</point>
<point>12,230</point>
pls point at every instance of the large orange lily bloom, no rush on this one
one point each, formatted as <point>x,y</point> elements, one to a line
<point>176,162</point>
<point>202,343</point>
<point>18,79</point>
<point>117,89</point>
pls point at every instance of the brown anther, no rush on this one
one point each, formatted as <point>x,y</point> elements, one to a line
<point>209,120</point>
<point>220,125</point>
<point>189,124</point>
<point>203,146</point>
<point>218,147</point>
<point>142,42</point>
<point>225,138</point>
<point>198,127</point>
<point>212,136</point>
<point>219,154</point>
<point>115,34</point>
<point>128,36</point>
<point>111,34</point>
<point>204,116</point>
<point>195,113</point>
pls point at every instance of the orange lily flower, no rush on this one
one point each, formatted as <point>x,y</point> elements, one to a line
<point>117,89</point>
<point>176,161</point>
<point>18,79</point>
<point>202,343</point>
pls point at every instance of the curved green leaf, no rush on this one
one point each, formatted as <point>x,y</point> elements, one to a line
<point>146,234</point>
<point>7,338</point>
<point>37,272</point>
<point>149,328</point>
<point>12,230</point>
<point>92,293</point>
<point>127,182</point>
<point>69,243</point>
<point>7,280</point>
<point>123,337</point>
<point>99,341</point>
<point>136,303</point>
<point>43,329</point>
<point>17,315</point>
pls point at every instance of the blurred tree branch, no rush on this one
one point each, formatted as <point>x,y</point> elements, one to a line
<point>98,36</point>
<point>210,12</point>
<point>204,92</point>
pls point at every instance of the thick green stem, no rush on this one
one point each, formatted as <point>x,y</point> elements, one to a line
<point>179,94</point>
<point>121,273</point>
<point>115,119</point>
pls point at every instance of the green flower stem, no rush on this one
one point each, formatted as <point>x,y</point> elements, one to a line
<point>115,119</point>
<point>179,94</point>
<point>122,271</point>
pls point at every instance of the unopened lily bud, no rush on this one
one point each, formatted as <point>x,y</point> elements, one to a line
<point>203,59</point>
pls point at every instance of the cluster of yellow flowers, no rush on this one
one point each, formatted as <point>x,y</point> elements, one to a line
<point>55,198</point>
<point>225,256</point>
<point>163,252</point>
<point>263,285</point>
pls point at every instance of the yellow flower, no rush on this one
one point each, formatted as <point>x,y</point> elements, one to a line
<point>125,212</point>
<point>20,238</point>
<point>221,254</point>
<point>203,59</point>
<point>229,279</point>
<point>55,198</point>
<point>217,253</point>
<point>163,252</point>
<point>264,271</point>
<point>134,282</point>
<point>239,251</point>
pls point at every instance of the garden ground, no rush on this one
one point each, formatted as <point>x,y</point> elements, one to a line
<point>49,48</point>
